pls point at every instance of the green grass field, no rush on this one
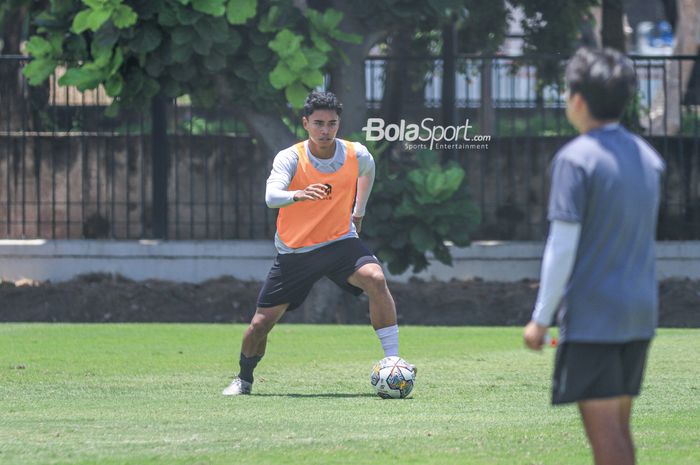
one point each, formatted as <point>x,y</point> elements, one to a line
<point>150,394</point>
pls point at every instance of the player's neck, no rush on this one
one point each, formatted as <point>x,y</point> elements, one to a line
<point>322,153</point>
<point>591,124</point>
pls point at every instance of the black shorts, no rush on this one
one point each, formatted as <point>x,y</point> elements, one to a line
<point>584,371</point>
<point>292,275</point>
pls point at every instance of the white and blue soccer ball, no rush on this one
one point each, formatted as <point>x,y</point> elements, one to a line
<point>393,378</point>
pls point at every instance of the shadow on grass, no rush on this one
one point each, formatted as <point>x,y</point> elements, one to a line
<point>338,395</point>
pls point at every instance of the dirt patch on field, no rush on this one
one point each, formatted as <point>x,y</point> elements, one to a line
<point>110,298</point>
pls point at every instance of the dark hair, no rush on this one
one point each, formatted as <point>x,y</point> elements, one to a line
<point>321,101</point>
<point>605,78</point>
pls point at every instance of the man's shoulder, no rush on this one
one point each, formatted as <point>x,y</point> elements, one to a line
<point>291,153</point>
<point>360,150</point>
<point>576,150</point>
<point>286,159</point>
<point>649,153</point>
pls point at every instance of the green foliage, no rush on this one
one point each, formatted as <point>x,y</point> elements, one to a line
<point>417,205</point>
<point>552,31</point>
<point>389,14</point>
<point>299,63</point>
<point>294,72</point>
<point>214,8</point>
<point>263,55</point>
<point>240,11</point>
<point>482,29</point>
<point>99,12</point>
<point>46,54</point>
<point>631,115</point>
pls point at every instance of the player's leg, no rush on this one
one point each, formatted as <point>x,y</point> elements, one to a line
<point>382,310</point>
<point>625,422</point>
<point>607,431</point>
<point>253,348</point>
<point>351,265</point>
<point>634,357</point>
<point>287,285</point>
<point>255,337</point>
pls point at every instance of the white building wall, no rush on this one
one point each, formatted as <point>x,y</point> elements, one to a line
<point>191,261</point>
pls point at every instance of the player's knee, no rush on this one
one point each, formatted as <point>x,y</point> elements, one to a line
<point>374,281</point>
<point>261,325</point>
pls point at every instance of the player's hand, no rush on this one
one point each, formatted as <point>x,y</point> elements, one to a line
<point>534,335</point>
<point>311,192</point>
<point>357,220</point>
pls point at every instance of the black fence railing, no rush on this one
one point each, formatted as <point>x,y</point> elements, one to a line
<point>69,171</point>
<point>522,96</point>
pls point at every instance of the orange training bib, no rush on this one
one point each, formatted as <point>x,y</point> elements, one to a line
<point>311,222</point>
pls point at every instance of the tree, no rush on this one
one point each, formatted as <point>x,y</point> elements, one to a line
<point>378,21</point>
<point>553,33</point>
<point>13,15</point>
<point>261,55</point>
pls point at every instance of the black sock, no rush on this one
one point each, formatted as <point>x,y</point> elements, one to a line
<point>248,364</point>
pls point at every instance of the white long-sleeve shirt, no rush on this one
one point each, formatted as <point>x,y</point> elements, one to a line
<point>284,168</point>
<point>557,265</point>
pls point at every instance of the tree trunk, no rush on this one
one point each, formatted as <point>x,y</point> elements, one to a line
<point>38,96</point>
<point>449,104</point>
<point>270,132</point>
<point>665,108</point>
<point>327,303</point>
<point>348,84</point>
<point>11,81</point>
<point>613,33</point>
<point>348,78</point>
<point>487,112</point>
<point>12,29</point>
<point>25,105</point>
<point>397,80</point>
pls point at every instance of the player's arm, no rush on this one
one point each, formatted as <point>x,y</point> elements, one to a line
<point>557,265</point>
<point>277,193</point>
<point>365,181</point>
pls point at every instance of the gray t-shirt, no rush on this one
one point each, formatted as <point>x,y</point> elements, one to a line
<point>608,180</point>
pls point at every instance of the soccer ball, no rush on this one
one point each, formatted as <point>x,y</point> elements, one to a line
<point>393,378</point>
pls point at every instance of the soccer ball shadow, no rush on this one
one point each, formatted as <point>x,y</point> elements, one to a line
<point>337,395</point>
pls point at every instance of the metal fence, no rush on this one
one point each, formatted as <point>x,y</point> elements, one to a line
<point>69,171</point>
<point>527,98</point>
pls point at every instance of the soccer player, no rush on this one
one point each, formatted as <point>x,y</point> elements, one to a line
<point>315,184</point>
<point>598,267</point>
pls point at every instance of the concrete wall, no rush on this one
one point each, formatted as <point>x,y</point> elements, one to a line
<point>192,261</point>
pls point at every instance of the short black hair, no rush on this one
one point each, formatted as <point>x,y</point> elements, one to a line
<point>605,78</point>
<point>321,101</point>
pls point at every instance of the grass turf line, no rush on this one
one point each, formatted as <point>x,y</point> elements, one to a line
<point>150,394</point>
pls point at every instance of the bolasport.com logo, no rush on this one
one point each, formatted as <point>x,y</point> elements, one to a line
<point>426,135</point>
